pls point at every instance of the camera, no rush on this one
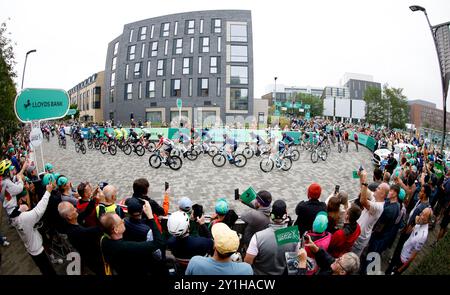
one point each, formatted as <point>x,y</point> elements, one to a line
<point>102,185</point>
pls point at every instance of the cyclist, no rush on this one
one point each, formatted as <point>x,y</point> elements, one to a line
<point>62,133</point>
<point>167,145</point>
<point>134,136</point>
<point>259,142</point>
<point>124,132</point>
<point>95,131</point>
<point>184,140</point>
<point>233,143</point>
<point>117,134</point>
<point>287,139</point>
<point>207,138</point>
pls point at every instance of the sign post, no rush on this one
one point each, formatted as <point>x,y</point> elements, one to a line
<point>179,105</point>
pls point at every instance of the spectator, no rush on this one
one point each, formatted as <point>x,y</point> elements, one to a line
<point>343,239</point>
<point>52,220</point>
<point>263,253</point>
<point>86,240</point>
<point>319,236</point>
<point>48,168</point>
<point>347,264</point>
<point>85,191</point>
<point>377,179</point>
<point>108,205</point>
<point>333,212</point>
<point>24,220</point>
<point>181,244</point>
<point>128,257</point>
<point>140,191</point>
<point>386,177</point>
<point>307,211</point>
<point>136,228</point>
<point>259,219</point>
<point>373,208</point>
<point>65,188</point>
<point>221,210</point>
<point>413,245</point>
<point>226,243</point>
<point>10,185</point>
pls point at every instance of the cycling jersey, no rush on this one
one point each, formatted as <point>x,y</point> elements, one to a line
<point>165,142</point>
<point>290,140</point>
<point>124,133</point>
<point>281,146</point>
<point>118,134</point>
<point>183,138</point>
<point>62,132</point>
<point>232,142</point>
<point>260,140</point>
<point>206,136</point>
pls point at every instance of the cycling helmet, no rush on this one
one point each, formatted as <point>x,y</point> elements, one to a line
<point>4,166</point>
<point>160,135</point>
<point>47,179</point>
<point>48,167</point>
<point>178,223</point>
<point>221,207</point>
<point>283,134</point>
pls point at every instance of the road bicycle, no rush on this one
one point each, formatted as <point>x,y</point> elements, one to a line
<point>319,152</point>
<point>62,142</point>
<point>205,148</point>
<point>281,162</point>
<point>255,150</point>
<point>174,162</point>
<point>80,147</point>
<point>292,153</point>
<point>108,146</point>
<point>219,160</point>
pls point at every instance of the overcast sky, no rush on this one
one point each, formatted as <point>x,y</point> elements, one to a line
<point>301,42</point>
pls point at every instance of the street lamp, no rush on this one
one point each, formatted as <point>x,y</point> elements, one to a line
<point>275,92</point>
<point>444,93</point>
<point>24,66</point>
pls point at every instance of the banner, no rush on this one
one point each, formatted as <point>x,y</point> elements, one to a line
<point>287,235</point>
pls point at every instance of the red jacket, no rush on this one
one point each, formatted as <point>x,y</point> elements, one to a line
<point>341,244</point>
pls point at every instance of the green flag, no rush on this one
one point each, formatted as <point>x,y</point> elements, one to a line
<point>355,174</point>
<point>438,169</point>
<point>248,196</point>
<point>287,235</point>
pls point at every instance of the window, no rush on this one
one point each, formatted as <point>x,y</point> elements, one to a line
<point>190,87</point>
<point>142,33</point>
<point>175,88</point>
<point>218,90</point>
<point>114,62</point>
<point>187,65</point>
<point>163,88</point>
<point>129,91</point>
<point>131,52</point>
<point>239,99</point>
<point>140,91</point>
<point>137,70</point>
<point>166,46</point>
<point>175,31</point>
<point>238,53</point>
<point>178,46</point>
<point>148,68</point>
<point>116,48</point>
<point>190,25</point>
<point>161,67</point>
<point>142,50</point>
<point>199,64</point>
<point>150,89</point>
<point>217,25</point>
<point>127,69</point>
<point>219,44</point>
<point>213,65</point>
<point>154,117</point>
<point>113,79</point>
<point>238,33</point>
<point>239,75</point>
<point>201,26</point>
<point>192,46</point>
<point>131,35</point>
<point>111,95</point>
<point>203,89</point>
<point>154,51</point>
<point>173,67</point>
<point>152,31</point>
<point>165,27</point>
<point>204,44</point>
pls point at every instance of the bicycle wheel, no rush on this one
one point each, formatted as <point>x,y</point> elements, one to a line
<point>248,152</point>
<point>266,164</point>
<point>151,147</point>
<point>175,162</point>
<point>240,160</point>
<point>83,148</point>
<point>191,155</point>
<point>314,156</point>
<point>139,150</point>
<point>154,161</point>
<point>213,150</point>
<point>104,148</point>
<point>287,164</point>
<point>175,152</point>
<point>77,147</point>
<point>127,149</point>
<point>339,148</point>
<point>90,145</point>
<point>64,144</point>
<point>97,145</point>
<point>112,150</point>
<point>219,160</point>
<point>295,155</point>
<point>323,155</point>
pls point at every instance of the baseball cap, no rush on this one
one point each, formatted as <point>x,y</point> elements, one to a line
<point>47,179</point>
<point>62,181</point>
<point>320,223</point>
<point>314,191</point>
<point>402,194</point>
<point>264,198</point>
<point>278,209</point>
<point>30,169</point>
<point>221,207</point>
<point>134,205</point>
<point>185,204</point>
<point>225,239</point>
<point>48,167</point>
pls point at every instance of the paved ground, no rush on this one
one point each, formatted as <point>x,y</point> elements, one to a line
<point>203,182</point>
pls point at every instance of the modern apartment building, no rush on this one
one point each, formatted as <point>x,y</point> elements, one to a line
<point>425,114</point>
<point>204,58</point>
<point>89,96</point>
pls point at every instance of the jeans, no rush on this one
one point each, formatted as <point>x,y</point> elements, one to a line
<point>44,264</point>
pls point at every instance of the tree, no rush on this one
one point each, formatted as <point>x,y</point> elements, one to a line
<point>8,120</point>
<point>375,106</point>
<point>398,111</point>
<point>77,114</point>
<point>314,101</point>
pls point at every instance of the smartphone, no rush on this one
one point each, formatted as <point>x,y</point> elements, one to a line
<point>198,210</point>
<point>236,194</point>
<point>361,168</point>
<point>166,186</point>
<point>336,188</point>
<point>102,185</point>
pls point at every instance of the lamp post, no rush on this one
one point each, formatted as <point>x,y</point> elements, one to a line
<point>442,74</point>
<point>25,65</point>
<point>275,92</point>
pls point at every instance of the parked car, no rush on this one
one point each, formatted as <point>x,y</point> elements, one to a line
<point>379,154</point>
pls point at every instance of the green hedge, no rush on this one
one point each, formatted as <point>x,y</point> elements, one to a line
<point>437,261</point>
